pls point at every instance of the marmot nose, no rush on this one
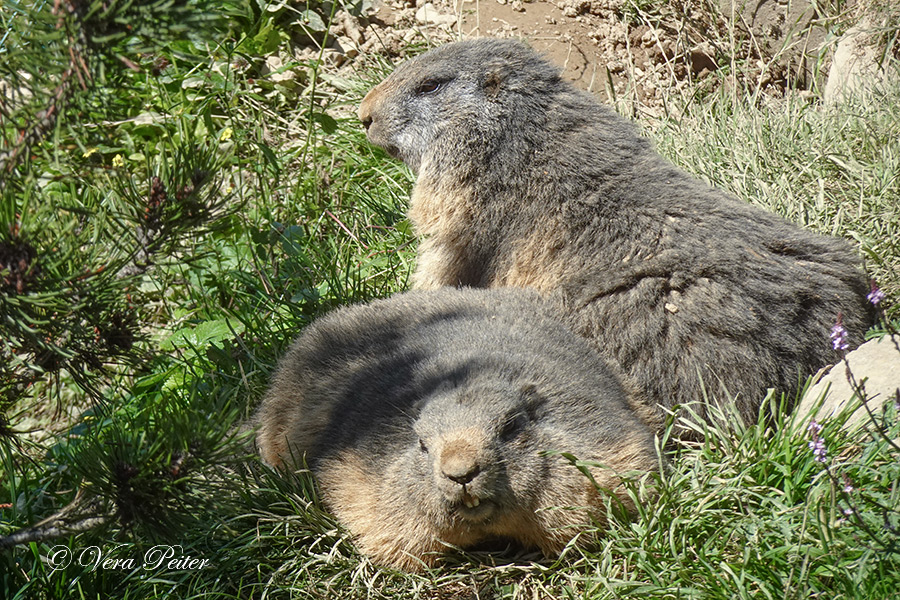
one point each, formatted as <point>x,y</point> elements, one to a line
<point>366,120</point>
<point>461,474</point>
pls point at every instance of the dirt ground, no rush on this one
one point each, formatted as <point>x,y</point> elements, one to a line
<point>616,48</point>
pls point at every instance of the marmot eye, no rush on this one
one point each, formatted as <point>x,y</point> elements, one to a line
<point>422,446</point>
<point>429,86</point>
<point>512,426</point>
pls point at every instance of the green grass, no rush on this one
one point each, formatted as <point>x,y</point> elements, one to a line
<point>319,222</point>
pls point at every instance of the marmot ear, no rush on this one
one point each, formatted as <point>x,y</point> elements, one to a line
<point>528,390</point>
<point>534,400</point>
<point>493,80</point>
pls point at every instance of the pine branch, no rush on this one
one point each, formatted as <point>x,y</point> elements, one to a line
<point>45,120</point>
<point>79,515</point>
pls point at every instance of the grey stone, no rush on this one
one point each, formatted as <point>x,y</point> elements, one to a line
<point>875,366</point>
<point>428,14</point>
<point>857,63</point>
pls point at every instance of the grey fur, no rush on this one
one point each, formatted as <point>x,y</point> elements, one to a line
<point>390,401</point>
<point>524,180</point>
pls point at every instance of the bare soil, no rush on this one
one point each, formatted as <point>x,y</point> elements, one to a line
<point>615,47</point>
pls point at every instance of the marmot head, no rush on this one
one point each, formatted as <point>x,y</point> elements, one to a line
<point>427,417</point>
<point>476,457</point>
<point>463,96</point>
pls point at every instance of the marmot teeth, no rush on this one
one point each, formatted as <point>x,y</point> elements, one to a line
<point>471,501</point>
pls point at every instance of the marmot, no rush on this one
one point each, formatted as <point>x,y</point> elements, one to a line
<point>430,419</point>
<point>522,180</point>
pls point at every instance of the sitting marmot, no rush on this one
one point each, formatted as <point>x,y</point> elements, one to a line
<point>522,180</point>
<point>426,419</point>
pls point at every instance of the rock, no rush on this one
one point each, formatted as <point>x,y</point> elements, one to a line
<point>349,26</point>
<point>334,57</point>
<point>345,46</point>
<point>573,8</point>
<point>857,62</point>
<point>429,15</point>
<point>702,59</point>
<point>273,67</point>
<point>875,366</point>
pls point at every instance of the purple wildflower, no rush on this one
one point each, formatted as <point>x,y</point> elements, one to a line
<point>817,443</point>
<point>876,295</point>
<point>848,483</point>
<point>818,447</point>
<point>839,335</point>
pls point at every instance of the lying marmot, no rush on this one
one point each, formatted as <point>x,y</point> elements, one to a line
<point>426,418</point>
<point>522,180</point>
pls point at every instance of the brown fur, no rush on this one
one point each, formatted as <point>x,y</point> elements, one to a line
<point>524,181</point>
<point>425,418</point>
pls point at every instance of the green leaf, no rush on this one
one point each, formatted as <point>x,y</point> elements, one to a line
<point>203,334</point>
<point>325,121</point>
<point>310,21</point>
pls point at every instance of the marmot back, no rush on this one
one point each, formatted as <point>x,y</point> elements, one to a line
<point>522,180</point>
<point>427,418</point>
